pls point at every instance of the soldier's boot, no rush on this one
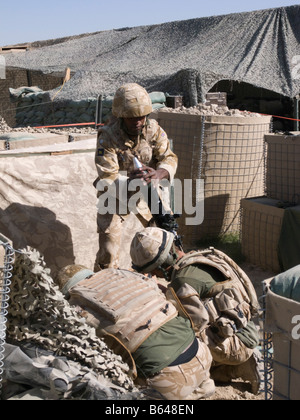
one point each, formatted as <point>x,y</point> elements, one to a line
<point>205,390</point>
<point>249,371</point>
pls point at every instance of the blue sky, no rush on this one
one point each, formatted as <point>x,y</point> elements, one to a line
<point>36,20</point>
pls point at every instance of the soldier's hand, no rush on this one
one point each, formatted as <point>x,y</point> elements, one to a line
<point>154,174</point>
<point>138,174</point>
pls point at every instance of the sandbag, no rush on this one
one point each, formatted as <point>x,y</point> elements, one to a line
<point>157,97</point>
<point>287,284</point>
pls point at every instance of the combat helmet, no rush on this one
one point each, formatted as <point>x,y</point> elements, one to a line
<point>130,101</point>
<point>70,275</point>
<point>151,248</point>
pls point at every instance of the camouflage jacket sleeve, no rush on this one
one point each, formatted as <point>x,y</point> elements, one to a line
<point>106,158</point>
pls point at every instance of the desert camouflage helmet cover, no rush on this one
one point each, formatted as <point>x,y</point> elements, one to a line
<point>70,275</point>
<point>130,101</point>
<point>150,248</point>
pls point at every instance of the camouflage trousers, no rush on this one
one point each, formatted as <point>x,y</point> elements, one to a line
<point>115,236</point>
<point>183,382</point>
<point>231,351</point>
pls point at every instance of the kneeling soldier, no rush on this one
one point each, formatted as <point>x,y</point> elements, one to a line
<point>211,290</point>
<point>137,321</point>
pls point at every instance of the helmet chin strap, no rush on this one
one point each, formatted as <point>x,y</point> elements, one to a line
<point>174,253</point>
<point>169,262</point>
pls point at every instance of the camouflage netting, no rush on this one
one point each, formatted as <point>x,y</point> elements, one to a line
<point>40,315</point>
<point>186,57</point>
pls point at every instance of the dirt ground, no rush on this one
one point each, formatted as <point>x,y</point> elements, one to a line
<point>239,390</point>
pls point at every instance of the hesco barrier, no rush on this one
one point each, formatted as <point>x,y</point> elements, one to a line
<point>261,223</point>
<point>228,153</point>
<point>282,321</point>
<point>282,172</point>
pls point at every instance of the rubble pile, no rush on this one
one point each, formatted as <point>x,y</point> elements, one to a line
<point>211,110</point>
<point>39,315</point>
<point>4,128</point>
<point>200,109</point>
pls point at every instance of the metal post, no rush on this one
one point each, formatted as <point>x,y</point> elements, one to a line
<point>296,114</point>
<point>267,351</point>
<point>5,282</point>
<point>98,117</point>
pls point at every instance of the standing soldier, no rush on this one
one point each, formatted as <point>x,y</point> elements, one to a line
<point>129,134</point>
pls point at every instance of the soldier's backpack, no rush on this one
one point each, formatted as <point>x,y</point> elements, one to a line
<point>230,304</point>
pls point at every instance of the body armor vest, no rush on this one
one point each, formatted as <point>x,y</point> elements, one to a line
<point>234,276</point>
<point>125,304</point>
<point>229,305</point>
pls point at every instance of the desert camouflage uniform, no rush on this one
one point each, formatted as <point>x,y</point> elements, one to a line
<point>182,382</point>
<point>114,154</point>
<point>210,289</point>
<point>118,303</point>
<point>197,288</point>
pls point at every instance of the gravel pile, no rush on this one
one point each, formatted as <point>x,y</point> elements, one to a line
<point>200,109</point>
<point>4,128</point>
<point>211,110</point>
